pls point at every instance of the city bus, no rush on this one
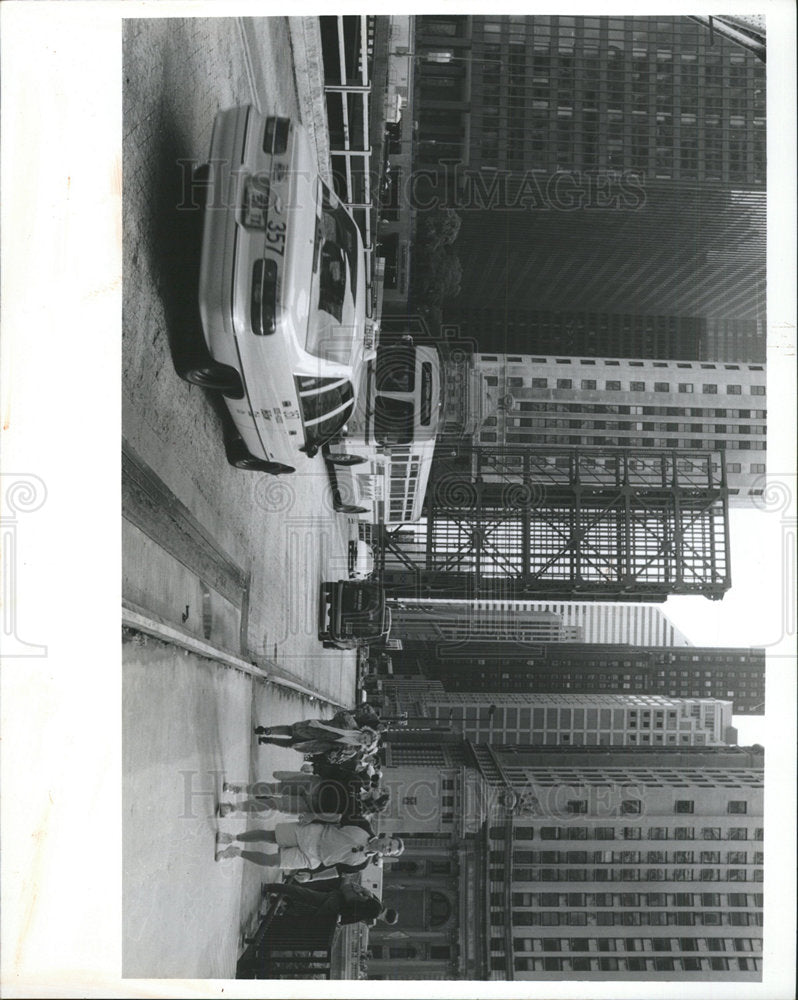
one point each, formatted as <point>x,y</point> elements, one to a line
<point>381,459</point>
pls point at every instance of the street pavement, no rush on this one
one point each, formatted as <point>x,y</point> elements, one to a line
<point>195,528</point>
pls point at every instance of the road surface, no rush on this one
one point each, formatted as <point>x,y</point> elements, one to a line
<point>230,559</point>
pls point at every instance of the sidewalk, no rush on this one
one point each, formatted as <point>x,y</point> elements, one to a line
<point>307,86</point>
<point>188,726</point>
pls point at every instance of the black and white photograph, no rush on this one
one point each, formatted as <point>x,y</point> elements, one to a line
<point>426,401</point>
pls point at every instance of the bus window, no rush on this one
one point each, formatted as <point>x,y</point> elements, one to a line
<point>425,414</point>
<point>396,369</point>
<point>393,420</point>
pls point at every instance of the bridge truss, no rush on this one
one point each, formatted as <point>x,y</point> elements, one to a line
<point>620,524</point>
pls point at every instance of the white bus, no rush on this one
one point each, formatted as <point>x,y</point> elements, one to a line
<point>382,458</point>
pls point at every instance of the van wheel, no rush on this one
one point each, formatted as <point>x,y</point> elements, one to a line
<point>340,458</point>
<point>214,375</point>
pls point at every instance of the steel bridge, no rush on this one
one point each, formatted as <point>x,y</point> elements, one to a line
<point>620,524</point>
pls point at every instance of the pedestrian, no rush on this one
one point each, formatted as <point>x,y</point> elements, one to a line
<point>366,715</point>
<point>350,904</point>
<point>314,845</point>
<point>330,799</point>
<point>312,736</point>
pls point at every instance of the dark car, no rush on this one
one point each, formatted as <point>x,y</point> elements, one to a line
<point>353,613</point>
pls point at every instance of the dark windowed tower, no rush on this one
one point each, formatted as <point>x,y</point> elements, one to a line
<point>623,157</point>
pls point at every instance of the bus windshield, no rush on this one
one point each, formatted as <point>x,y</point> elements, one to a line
<point>393,420</point>
<point>396,369</point>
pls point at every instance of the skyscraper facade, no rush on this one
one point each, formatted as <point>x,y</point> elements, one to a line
<point>582,863</point>
<point>576,719</point>
<point>633,624</point>
<point>729,674</point>
<point>665,882</point>
<point>623,157</point>
<point>465,621</point>
<point>632,403</point>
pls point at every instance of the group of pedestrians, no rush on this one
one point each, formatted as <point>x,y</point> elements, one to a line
<point>335,794</point>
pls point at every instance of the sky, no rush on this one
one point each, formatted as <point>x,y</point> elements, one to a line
<point>759,608</point>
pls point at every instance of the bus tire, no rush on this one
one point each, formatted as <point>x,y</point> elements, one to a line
<point>340,458</point>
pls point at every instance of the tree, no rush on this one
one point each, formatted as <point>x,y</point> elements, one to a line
<point>436,270</point>
<point>439,227</point>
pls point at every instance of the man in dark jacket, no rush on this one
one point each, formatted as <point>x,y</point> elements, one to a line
<point>350,904</point>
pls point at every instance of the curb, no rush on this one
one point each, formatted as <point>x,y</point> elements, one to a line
<point>307,53</point>
<point>185,640</point>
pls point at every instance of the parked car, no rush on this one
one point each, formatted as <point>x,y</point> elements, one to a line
<point>353,613</point>
<point>282,292</point>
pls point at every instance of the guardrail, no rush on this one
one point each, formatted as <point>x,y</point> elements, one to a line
<point>354,88</point>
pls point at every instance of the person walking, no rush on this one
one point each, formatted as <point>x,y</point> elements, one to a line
<point>350,904</point>
<point>298,792</point>
<point>314,845</point>
<point>312,736</point>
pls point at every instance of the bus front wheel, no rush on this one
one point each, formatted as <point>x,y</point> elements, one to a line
<point>340,458</point>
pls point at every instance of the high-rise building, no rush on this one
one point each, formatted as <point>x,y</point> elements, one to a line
<point>465,621</point>
<point>729,674</point>
<point>663,884</point>
<point>623,157</point>
<point>572,719</point>
<point>632,403</point>
<point>657,96</point>
<point>502,327</point>
<point>633,624</point>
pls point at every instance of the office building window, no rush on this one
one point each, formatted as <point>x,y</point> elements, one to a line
<point>734,390</point>
<point>685,387</point>
<point>684,806</point>
<point>588,383</point>
<point>710,388</point>
<point>737,808</point>
<point>662,387</point>
<point>564,383</point>
<point>757,390</point>
<point>637,386</point>
<point>613,385</point>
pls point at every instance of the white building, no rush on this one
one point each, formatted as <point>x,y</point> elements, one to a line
<point>587,402</point>
<point>575,719</point>
<point>536,621</point>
